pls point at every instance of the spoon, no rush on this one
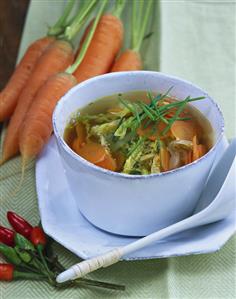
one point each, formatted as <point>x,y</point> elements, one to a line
<point>216,202</point>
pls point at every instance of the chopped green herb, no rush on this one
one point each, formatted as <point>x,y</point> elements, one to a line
<point>135,133</point>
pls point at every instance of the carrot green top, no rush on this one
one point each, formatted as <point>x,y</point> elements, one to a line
<point>139,22</point>
<point>62,22</point>
<point>117,11</point>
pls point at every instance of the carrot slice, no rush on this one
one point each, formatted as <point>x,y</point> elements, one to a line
<point>165,158</point>
<point>81,133</point>
<point>187,157</point>
<point>120,160</point>
<point>93,152</point>
<point>80,140</point>
<point>141,131</point>
<point>195,148</point>
<point>96,154</point>
<point>184,130</point>
<point>199,150</point>
<point>76,145</point>
<point>108,163</point>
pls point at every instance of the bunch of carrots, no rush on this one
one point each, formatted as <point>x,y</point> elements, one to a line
<point>50,68</point>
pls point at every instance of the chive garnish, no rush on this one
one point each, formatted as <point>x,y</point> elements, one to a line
<point>154,111</point>
<point>177,113</point>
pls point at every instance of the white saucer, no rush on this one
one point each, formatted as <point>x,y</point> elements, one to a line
<point>63,222</point>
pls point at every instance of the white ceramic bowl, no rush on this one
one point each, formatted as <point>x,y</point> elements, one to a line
<point>134,205</point>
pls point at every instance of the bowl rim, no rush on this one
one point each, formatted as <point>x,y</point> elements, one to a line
<point>103,171</point>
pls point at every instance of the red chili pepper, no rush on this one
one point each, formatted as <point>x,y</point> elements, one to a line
<point>19,224</point>
<point>6,272</point>
<point>7,236</point>
<point>38,237</point>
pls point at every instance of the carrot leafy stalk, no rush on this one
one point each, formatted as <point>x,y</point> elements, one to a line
<point>62,22</point>
<point>130,59</point>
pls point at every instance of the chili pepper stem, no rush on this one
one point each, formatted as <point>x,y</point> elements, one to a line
<point>59,265</point>
<point>93,283</point>
<point>28,275</point>
<point>40,252</point>
<point>38,265</point>
<point>54,262</point>
<point>100,284</point>
<point>30,269</point>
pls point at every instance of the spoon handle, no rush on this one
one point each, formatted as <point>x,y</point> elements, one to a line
<point>113,256</point>
<point>90,265</point>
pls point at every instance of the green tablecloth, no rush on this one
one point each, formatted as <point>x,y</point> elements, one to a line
<point>194,40</point>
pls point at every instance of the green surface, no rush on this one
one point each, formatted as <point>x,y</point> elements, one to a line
<point>197,43</point>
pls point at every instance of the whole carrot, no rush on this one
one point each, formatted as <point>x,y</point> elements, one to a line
<point>10,94</point>
<point>55,59</point>
<point>130,59</point>
<point>105,45</point>
<point>37,126</point>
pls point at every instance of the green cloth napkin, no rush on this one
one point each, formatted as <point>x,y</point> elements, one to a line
<point>194,40</point>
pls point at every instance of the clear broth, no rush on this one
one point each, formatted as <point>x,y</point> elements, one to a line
<point>103,104</point>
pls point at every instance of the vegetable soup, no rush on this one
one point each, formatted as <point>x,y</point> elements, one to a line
<point>140,132</point>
